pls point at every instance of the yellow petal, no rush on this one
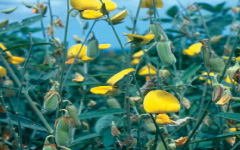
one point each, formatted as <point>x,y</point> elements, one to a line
<point>147,38</point>
<point>70,61</point>
<point>148,69</point>
<point>104,46</point>
<point>86,4</point>
<point>3,71</point>
<point>229,81</point>
<point>78,77</point>
<point>181,141</point>
<point>140,38</point>
<point>233,59</point>
<point>117,18</point>
<point>91,14</point>
<point>225,98</point>
<point>159,101</point>
<point>110,5</point>
<point>72,52</point>
<point>135,61</point>
<point>4,48</point>
<point>193,50</point>
<point>105,90</point>
<point>86,59</point>
<point>204,74</point>
<point>16,60</point>
<point>114,79</point>
<point>139,53</point>
<point>164,119</point>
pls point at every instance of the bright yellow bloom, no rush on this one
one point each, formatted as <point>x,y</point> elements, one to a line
<point>159,101</point>
<point>105,90</point>
<point>110,5</point>
<point>235,129</point>
<point>103,46</point>
<point>91,14</point>
<point>135,61</point>
<point>114,79</point>
<point>148,69</point>
<point>164,119</point>
<point>149,3</point>
<point>86,59</point>
<point>86,4</point>
<point>10,58</point>
<point>181,141</point>
<point>193,50</point>
<point>233,59</point>
<point>3,71</point>
<point>117,18</point>
<point>72,52</point>
<point>35,9</point>
<point>140,38</point>
<point>139,53</point>
<point>78,77</point>
<point>227,95</point>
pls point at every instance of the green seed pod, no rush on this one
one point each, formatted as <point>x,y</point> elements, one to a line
<point>72,111</point>
<point>51,101</point>
<point>206,53</point>
<point>8,92</point>
<point>217,65</point>
<point>171,144</point>
<point>49,147</point>
<point>155,29</point>
<point>64,131</point>
<point>149,125</point>
<point>165,53</point>
<point>113,103</point>
<point>92,48</point>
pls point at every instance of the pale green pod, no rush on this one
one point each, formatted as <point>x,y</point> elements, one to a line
<point>51,102</point>
<point>113,103</point>
<point>165,53</point>
<point>49,147</point>
<point>217,65</point>
<point>155,29</point>
<point>72,112</point>
<point>64,131</point>
<point>149,125</point>
<point>92,48</point>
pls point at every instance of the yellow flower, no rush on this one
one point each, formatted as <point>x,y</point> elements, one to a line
<point>91,14</point>
<point>149,3</point>
<point>117,18</point>
<point>35,9</point>
<point>204,74</point>
<point>110,5</point>
<point>148,69</point>
<point>181,141</point>
<point>193,50</point>
<point>139,53</point>
<point>229,81</point>
<point>114,79</point>
<point>135,61</point>
<point>10,58</point>
<point>86,59</point>
<point>72,52</point>
<point>140,38</point>
<point>159,101</point>
<point>104,46</point>
<point>227,95</point>
<point>105,90</point>
<point>235,129</point>
<point>78,77</point>
<point>86,4</point>
<point>3,71</point>
<point>233,59</point>
<point>164,119</point>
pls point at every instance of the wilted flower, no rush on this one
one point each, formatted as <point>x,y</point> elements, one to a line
<point>181,141</point>
<point>217,90</point>
<point>50,30</point>
<point>147,69</point>
<point>149,3</point>
<point>91,14</point>
<point>227,95</point>
<point>159,101</point>
<point>117,18</point>
<point>78,77</point>
<point>164,73</point>
<point>114,130</point>
<point>193,50</point>
<point>140,38</point>
<point>3,71</point>
<point>230,140</point>
<point>114,79</point>
<point>35,9</point>
<point>186,103</point>
<point>104,46</point>
<point>235,9</point>
<point>164,119</point>
<point>58,23</point>
<point>91,103</point>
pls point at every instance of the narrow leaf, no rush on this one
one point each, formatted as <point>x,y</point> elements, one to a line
<point>8,11</point>
<point>86,137</point>
<point>233,116</point>
<point>190,71</point>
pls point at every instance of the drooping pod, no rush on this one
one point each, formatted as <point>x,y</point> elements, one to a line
<point>165,53</point>
<point>64,131</point>
<point>51,100</point>
<point>92,48</point>
<point>72,112</point>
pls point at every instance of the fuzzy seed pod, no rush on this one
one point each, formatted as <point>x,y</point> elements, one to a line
<point>217,65</point>
<point>92,48</point>
<point>51,101</point>
<point>8,92</point>
<point>113,103</point>
<point>72,111</point>
<point>149,125</point>
<point>155,29</point>
<point>64,131</point>
<point>165,53</point>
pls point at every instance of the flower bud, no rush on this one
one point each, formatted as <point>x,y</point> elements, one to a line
<point>186,103</point>
<point>164,73</point>
<point>114,130</point>
<point>91,103</point>
<point>58,23</point>
<point>72,111</point>
<point>181,141</point>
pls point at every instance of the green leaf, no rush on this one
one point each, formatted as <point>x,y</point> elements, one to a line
<point>25,122</point>
<point>86,137</point>
<point>190,71</point>
<point>18,25</point>
<point>233,116</point>
<point>172,11</point>
<point>219,7</point>
<point>17,47</point>
<point>28,5</point>
<point>4,23</point>
<point>99,113</point>
<point>49,75</point>
<point>217,137</point>
<point>206,7</point>
<point>8,11</point>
